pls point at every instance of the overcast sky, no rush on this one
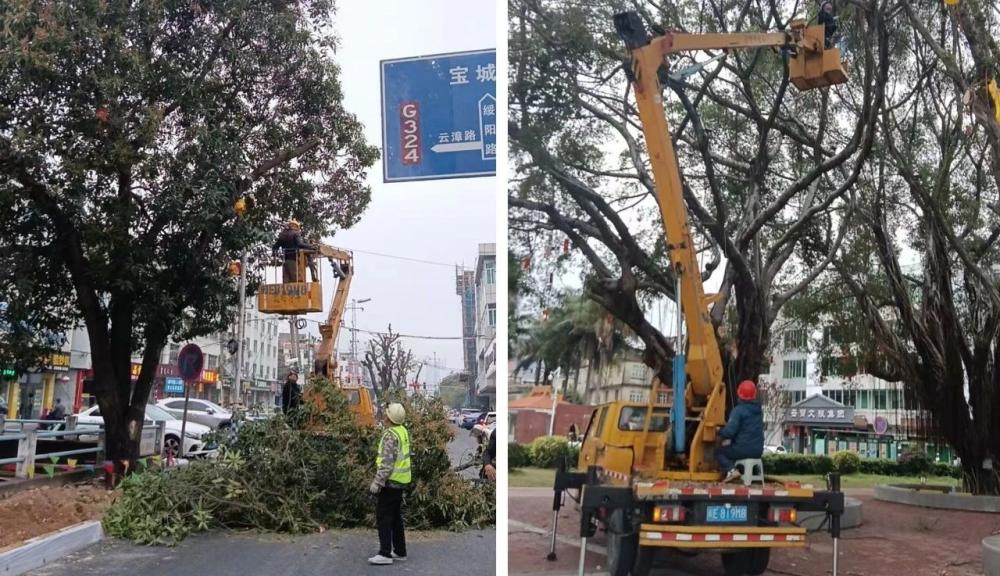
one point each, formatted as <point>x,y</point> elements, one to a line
<point>443,220</point>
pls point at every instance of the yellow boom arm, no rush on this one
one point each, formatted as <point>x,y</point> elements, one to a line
<point>330,330</point>
<point>704,398</point>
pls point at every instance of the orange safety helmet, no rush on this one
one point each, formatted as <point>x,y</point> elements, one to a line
<point>747,390</point>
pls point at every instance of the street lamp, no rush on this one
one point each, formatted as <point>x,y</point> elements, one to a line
<point>354,332</point>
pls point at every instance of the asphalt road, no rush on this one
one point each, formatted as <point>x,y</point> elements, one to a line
<point>334,552</point>
<point>247,554</point>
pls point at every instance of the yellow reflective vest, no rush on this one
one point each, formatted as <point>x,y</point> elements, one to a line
<point>401,468</point>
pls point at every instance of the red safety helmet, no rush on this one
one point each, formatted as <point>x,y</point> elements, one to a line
<point>746,390</point>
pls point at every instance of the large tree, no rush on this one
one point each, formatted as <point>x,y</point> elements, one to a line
<point>766,169</point>
<point>128,131</point>
<point>921,272</point>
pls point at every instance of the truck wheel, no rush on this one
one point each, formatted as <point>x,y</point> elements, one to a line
<point>736,563</point>
<point>622,545</point>
<point>643,561</point>
<point>759,558</point>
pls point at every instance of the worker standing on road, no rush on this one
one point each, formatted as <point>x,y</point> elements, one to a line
<point>290,242</point>
<point>290,393</point>
<point>392,476</point>
<point>745,431</point>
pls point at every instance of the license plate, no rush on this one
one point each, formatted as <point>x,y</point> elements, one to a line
<point>726,514</point>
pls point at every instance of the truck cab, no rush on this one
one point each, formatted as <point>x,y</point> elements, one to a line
<point>614,439</point>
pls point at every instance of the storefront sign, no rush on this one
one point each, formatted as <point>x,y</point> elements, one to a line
<point>817,413</point>
<point>170,370</point>
<point>820,410</point>
<point>59,362</point>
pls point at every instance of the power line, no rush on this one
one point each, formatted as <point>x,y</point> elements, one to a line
<point>408,259</point>
<point>412,336</point>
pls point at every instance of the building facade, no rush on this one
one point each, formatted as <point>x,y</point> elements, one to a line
<point>486,322</point>
<point>884,420</point>
<point>465,288</point>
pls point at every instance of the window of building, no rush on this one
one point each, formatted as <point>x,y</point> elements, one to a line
<point>491,273</point>
<point>794,369</point>
<point>881,400</point>
<point>798,396</point>
<point>491,315</point>
<point>864,399</point>
<point>635,397</point>
<point>795,339</point>
<point>213,361</point>
<point>174,350</point>
<point>831,366</point>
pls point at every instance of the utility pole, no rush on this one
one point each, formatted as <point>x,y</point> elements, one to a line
<point>240,330</point>
<point>294,331</point>
<point>354,333</point>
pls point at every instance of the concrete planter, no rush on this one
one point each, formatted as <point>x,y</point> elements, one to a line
<point>37,552</point>
<point>936,497</point>
<point>991,555</point>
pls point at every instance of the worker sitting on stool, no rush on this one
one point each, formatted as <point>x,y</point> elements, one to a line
<point>745,431</point>
<point>290,242</point>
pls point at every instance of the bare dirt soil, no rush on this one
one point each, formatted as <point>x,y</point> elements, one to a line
<point>30,513</point>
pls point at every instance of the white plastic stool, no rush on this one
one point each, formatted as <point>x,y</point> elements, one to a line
<point>751,469</point>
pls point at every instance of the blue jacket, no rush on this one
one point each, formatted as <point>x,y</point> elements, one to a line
<point>746,430</point>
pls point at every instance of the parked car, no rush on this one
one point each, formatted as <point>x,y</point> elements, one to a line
<point>194,433</point>
<point>774,449</point>
<point>460,417</point>
<point>485,424</point>
<point>470,420</point>
<point>201,411</point>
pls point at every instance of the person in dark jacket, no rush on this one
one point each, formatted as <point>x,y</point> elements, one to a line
<point>290,242</point>
<point>490,457</point>
<point>745,432</point>
<point>290,393</point>
<point>829,22</point>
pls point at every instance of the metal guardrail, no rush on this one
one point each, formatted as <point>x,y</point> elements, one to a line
<point>27,441</point>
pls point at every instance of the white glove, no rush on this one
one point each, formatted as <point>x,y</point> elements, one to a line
<point>374,488</point>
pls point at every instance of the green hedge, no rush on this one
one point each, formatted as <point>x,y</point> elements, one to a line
<point>846,462</point>
<point>784,464</point>
<point>518,456</point>
<point>543,452</point>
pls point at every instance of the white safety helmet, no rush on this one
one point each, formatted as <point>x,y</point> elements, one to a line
<point>396,413</point>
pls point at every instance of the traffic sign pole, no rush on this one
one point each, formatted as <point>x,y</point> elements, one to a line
<point>190,363</point>
<point>184,418</point>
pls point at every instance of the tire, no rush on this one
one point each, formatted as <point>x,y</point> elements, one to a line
<point>736,563</point>
<point>643,561</point>
<point>622,547</point>
<point>172,443</point>
<point>758,560</point>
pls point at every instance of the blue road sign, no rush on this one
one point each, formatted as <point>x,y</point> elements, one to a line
<point>439,116</point>
<point>173,386</point>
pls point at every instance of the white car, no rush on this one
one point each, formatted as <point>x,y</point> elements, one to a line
<point>194,433</point>
<point>486,425</point>
<point>774,449</point>
<point>201,411</point>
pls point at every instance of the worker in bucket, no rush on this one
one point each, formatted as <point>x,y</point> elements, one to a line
<point>290,242</point>
<point>743,435</point>
<point>392,476</point>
